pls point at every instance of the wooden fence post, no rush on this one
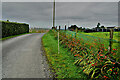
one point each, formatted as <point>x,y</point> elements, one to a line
<point>65,27</point>
<point>59,28</point>
<point>58,43</point>
<point>56,27</point>
<point>76,32</point>
<point>110,42</point>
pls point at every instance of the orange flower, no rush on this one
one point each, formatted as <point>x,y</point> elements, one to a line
<point>81,38</point>
<point>76,55</point>
<point>113,49</point>
<point>90,47</point>
<point>80,56</point>
<point>105,57</point>
<point>105,49</point>
<point>113,63</point>
<point>101,54</point>
<point>114,54</point>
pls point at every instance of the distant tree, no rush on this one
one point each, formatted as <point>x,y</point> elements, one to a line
<point>102,27</point>
<point>80,28</point>
<point>73,27</point>
<point>7,20</point>
<point>98,25</point>
<point>83,28</point>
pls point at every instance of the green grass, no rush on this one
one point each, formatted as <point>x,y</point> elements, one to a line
<point>106,35</point>
<point>62,63</point>
<point>5,38</point>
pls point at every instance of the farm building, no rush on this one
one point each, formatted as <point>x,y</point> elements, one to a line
<point>107,29</point>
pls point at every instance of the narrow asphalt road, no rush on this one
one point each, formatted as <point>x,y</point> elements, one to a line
<point>21,57</point>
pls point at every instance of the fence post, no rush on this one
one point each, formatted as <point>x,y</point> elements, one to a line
<point>110,42</point>
<point>59,28</point>
<point>58,40</point>
<point>56,27</point>
<point>76,32</point>
<point>58,43</point>
<point>65,27</point>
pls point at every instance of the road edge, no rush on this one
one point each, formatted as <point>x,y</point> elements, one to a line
<point>47,65</point>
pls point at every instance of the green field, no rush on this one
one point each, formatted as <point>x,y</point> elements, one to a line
<point>106,35</point>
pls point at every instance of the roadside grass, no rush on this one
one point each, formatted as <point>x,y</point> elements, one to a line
<point>5,38</point>
<point>62,63</point>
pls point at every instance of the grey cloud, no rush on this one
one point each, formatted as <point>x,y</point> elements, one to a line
<point>60,0</point>
<point>39,14</point>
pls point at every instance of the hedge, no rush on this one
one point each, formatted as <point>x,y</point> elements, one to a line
<point>13,28</point>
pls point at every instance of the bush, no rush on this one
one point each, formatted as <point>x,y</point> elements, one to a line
<point>13,28</point>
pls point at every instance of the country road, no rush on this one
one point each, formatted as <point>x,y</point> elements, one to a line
<point>22,58</point>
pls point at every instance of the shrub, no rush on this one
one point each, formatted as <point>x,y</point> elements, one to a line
<point>13,28</point>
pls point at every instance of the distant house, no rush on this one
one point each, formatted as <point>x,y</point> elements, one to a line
<point>97,29</point>
<point>114,28</point>
<point>106,29</point>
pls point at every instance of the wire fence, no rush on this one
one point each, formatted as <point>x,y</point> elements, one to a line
<point>96,43</point>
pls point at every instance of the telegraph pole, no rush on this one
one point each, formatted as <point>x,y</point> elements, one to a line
<point>54,14</point>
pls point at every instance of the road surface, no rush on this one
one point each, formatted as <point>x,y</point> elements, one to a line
<point>21,57</point>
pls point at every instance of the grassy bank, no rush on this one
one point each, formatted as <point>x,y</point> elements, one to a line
<point>2,39</point>
<point>62,63</point>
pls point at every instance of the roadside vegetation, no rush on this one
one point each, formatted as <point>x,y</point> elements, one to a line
<point>62,63</point>
<point>85,54</point>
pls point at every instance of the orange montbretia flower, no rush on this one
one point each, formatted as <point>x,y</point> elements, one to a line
<point>77,55</point>
<point>101,54</point>
<point>90,47</point>
<point>105,49</point>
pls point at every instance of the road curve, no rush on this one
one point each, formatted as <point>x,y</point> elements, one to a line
<point>21,57</point>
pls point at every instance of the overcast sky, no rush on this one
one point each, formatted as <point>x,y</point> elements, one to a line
<point>39,14</point>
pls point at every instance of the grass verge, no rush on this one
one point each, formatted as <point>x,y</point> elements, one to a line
<point>2,39</point>
<point>62,63</point>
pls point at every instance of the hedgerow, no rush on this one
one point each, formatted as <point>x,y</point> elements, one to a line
<point>13,28</point>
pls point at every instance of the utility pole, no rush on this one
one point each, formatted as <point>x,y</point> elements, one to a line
<point>54,14</point>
